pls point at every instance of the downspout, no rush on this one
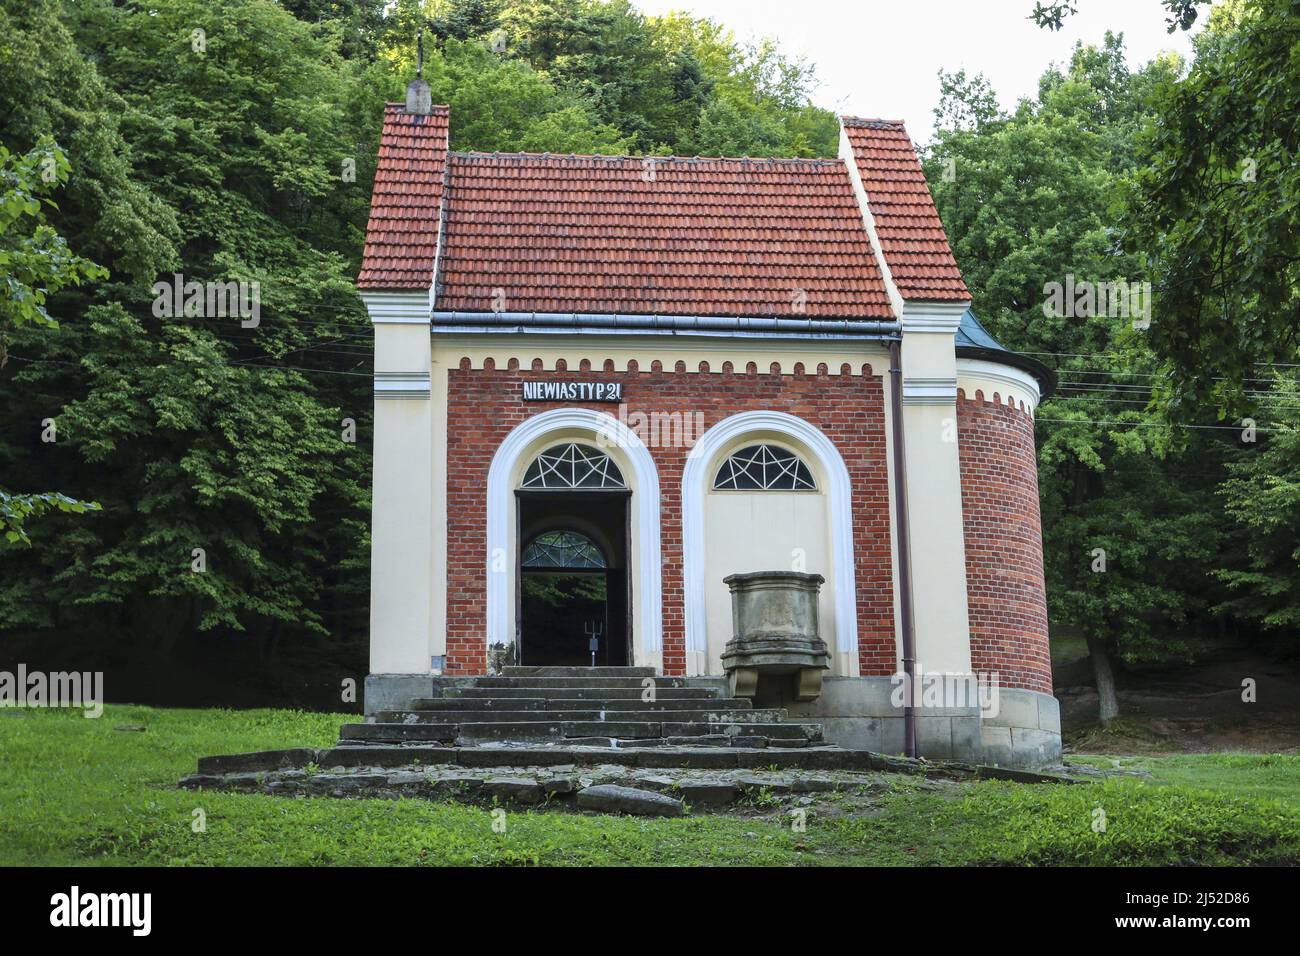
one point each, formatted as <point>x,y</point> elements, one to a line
<point>904,545</point>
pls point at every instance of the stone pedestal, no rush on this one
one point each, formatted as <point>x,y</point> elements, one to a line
<point>775,632</point>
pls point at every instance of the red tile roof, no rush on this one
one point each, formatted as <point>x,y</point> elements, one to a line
<point>911,234</point>
<point>654,235</point>
<point>661,235</point>
<point>402,236</point>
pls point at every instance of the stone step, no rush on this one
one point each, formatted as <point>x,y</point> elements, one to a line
<point>771,731</point>
<point>529,671</point>
<point>700,758</point>
<point>447,716</point>
<point>561,683</point>
<point>437,704</point>
<point>440,733</point>
<point>555,704</point>
<point>584,693</point>
<point>560,730</point>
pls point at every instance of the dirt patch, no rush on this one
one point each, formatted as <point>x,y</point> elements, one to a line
<point>1188,708</point>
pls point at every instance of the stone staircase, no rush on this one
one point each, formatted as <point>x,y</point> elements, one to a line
<point>614,707</point>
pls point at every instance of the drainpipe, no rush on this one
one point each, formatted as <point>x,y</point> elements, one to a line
<point>904,545</point>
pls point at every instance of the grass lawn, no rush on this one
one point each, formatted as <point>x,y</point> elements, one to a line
<point>97,792</point>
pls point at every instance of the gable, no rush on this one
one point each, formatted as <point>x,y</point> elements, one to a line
<point>671,236</point>
<point>912,237</point>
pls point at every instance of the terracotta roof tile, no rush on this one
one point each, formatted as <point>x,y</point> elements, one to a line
<point>402,236</point>
<point>660,235</point>
<point>654,235</point>
<point>911,234</point>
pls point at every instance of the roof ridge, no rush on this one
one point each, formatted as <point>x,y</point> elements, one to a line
<point>873,123</point>
<point>399,105</point>
<point>522,154</point>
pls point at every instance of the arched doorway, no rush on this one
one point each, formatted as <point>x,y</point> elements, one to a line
<point>573,597</point>
<point>505,540</point>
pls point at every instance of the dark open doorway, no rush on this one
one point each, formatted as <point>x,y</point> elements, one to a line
<point>573,578</point>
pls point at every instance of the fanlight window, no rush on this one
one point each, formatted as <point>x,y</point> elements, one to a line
<point>764,468</point>
<point>562,549</point>
<point>573,466</point>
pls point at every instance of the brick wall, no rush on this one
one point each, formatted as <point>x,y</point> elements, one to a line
<point>1004,544</point>
<point>485,404</point>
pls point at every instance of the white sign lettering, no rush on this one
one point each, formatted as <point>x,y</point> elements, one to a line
<point>573,391</point>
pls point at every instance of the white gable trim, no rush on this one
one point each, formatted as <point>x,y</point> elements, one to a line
<point>869,219</point>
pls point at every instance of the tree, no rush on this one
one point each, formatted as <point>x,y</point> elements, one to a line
<point>1028,199</point>
<point>1216,210</point>
<point>205,433</point>
<point>1052,14</point>
<point>1262,496</point>
<point>35,263</point>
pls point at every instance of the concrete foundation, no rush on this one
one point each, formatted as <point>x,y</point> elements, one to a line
<point>856,713</point>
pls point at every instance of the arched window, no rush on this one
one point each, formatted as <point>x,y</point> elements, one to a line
<point>562,549</point>
<point>764,468</point>
<point>573,466</point>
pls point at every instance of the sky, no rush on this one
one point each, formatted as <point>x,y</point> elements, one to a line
<point>881,58</point>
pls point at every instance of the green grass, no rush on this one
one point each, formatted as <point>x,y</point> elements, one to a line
<point>79,791</point>
<point>1274,776</point>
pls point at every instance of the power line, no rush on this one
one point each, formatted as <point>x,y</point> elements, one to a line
<point>1090,421</point>
<point>269,368</point>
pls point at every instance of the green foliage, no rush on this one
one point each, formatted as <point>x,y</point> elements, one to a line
<point>1262,496</point>
<point>1215,210</point>
<point>16,509</point>
<point>35,262</point>
<point>672,84</point>
<point>203,433</point>
<point>1032,198</point>
<point>52,90</point>
<point>1052,14</point>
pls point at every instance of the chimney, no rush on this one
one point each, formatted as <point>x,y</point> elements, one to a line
<point>419,98</point>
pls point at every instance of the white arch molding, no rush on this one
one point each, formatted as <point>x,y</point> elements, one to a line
<point>608,433</point>
<point>695,482</point>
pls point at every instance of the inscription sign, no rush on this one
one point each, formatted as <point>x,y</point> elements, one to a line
<point>573,391</point>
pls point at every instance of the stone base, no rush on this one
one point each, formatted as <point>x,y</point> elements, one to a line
<point>799,661</point>
<point>857,713</point>
<point>805,683</point>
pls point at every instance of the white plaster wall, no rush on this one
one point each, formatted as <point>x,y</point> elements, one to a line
<point>938,559</point>
<point>402,536</point>
<point>938,545</point>
<point>760,531</point>
<point>692,350</point>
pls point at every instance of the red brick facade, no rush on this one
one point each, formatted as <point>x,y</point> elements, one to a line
<point>1004,544</point>
<point>485,404</point>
